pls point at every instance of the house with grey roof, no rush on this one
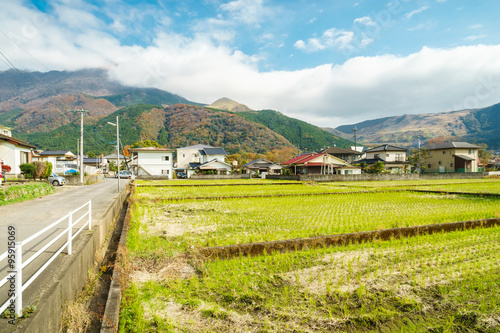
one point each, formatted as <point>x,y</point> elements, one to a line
<point>452,157</point>
<point>393,158</point>
<point>202,159</point>
<point>262,166</point>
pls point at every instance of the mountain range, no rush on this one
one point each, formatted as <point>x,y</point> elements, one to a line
<point>472,125</point>
<point>39,107</point>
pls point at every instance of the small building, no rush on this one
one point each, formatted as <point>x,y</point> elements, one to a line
<point>152,161</point>
<point>262,166</point>
<point>201,159</point>
<point>63,161</point>
<point>14,152</point>
<point>347,155</point>
<point>452,157</point>
<point>94,165</point>
<point>349,170</point>
<point>393,158</point>
<point>314,163</point>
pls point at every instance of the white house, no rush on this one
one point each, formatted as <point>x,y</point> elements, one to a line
<point>152,161</point>
<point>393,158</point>
<point>14,152</point>
<point>202,158</point>
<point>63,161</point>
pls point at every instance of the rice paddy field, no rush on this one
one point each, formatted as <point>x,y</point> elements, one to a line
<point>444,282</point>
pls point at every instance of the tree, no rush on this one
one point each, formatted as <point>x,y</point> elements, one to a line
<point>6,168</point>
<point>27,169</point>
<point>417,158</point>
<point>377,167</point>
<point>146,143</point>
<point>485,155</point>
<point>91,154</point>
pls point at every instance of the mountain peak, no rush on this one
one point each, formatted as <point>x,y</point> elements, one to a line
<point>227,104</point>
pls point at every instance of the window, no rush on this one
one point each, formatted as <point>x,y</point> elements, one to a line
<point>24,157</point>
<point>183,155</point>
<point>440,163</point>
<point>376,156</point>
<point>429,165</point>
<point>165,158</point>
<point>471,152</point>
<point>444,152</point>
<point>451,164</point>
<point>165,172</point>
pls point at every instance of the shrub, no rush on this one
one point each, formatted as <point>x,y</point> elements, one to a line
<point>27,169</point>
<point>6,168</point>
<point>39,169</point>
<point>48,170</point>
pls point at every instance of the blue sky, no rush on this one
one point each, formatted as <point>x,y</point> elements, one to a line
<point>327,62</point>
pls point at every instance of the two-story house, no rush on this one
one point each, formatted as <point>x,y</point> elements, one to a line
<point>152,161</point>
<point>202,158</point>
<point>452,157</point>
<point>393,158</point>
<point>14,152</point>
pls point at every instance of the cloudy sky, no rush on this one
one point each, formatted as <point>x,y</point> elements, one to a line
<point>329,62</point>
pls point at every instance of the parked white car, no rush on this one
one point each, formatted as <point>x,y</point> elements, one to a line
<point>56,180</point>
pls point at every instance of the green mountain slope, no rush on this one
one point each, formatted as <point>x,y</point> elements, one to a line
<point>146,96</point>
<point>298,132</point>
<point>175,126</point>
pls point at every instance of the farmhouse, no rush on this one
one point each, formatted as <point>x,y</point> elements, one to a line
<point>63,161</point>
<point>393,158</point>
<point>262,165</point>
<point>452,157</point>
<point>152,161</point>
<point>314,163</point>
<point>202,158</point>
<point>14,152</point>
<point>347,155</point>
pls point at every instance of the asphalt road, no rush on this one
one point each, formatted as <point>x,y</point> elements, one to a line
<point>31,216</point>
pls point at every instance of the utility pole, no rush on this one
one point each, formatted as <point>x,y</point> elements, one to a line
<point>117,149</point>
<point>355,130</point>
<point>82,111</point>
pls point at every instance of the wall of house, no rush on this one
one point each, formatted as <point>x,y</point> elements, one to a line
<point>208,158</point>
<point>443,160</point>
<point>11,156</point>
<point>154,162</point>
<point>389,156</point>
<point>186,156</point>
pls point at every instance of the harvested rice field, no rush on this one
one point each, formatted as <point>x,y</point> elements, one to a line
<point>443,282</point>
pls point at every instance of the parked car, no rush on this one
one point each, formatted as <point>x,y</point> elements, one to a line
<point>181,175</point>
<point>56,180</point>
<point>125,174</point>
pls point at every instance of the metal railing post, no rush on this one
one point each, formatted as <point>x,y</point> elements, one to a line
<point>90,214</point>
<point>70,232</point>
<point>18,267</point>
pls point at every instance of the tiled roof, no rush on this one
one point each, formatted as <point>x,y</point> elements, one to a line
<point>213,151</point>
<point>16,141</point>
<point>451,145</point>
<point>297,158</point>
<point>386,148</point>
<point>150,149</point>
<point>340,151</point>
<point>55,152</point>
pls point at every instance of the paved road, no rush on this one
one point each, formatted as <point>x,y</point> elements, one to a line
<point>31,216</point>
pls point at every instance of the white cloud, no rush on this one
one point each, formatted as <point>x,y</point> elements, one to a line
<point>247,11</point>
<point>365,20</point>
<point>416,11</point>
<point>201,70</point>
<point>331,38</point>
<point>475,26</point>
<point>474,37</point>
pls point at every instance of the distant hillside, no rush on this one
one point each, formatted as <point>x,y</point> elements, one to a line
<point>41,102</point>
<point>299,133</point>
<point>338,133</point>
<point>229,105</point>
<point>476,126</point>
<point>176,126</point>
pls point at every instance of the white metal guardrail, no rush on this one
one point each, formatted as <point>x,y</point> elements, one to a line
<point>16,265</point>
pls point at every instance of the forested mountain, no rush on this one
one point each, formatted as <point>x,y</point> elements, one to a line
<point>301,134</point>
<point>175,126</point>
<point>474,125</point>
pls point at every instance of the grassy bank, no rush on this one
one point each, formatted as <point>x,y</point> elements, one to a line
<point>18,193</point>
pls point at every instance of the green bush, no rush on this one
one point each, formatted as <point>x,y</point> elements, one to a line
<point>48,170</point>
<point>28,170</point>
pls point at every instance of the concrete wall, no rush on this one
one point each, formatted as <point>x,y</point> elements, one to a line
<point>72,274</point>
<point>87,180</point>
<point>242,176</point>
<point>382,176</point>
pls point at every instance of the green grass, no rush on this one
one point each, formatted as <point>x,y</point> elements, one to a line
<point>212,181</point>
<point>18,193</point>
<point>437,283</point>
<point>487,187</point>
<point>170,193</point>
<point>180,225</point>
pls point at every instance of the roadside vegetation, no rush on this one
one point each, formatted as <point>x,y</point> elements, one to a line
<point>18,193</point>
<point>445,282</point>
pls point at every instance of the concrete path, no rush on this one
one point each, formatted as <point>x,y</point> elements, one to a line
<point>31,216</point>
